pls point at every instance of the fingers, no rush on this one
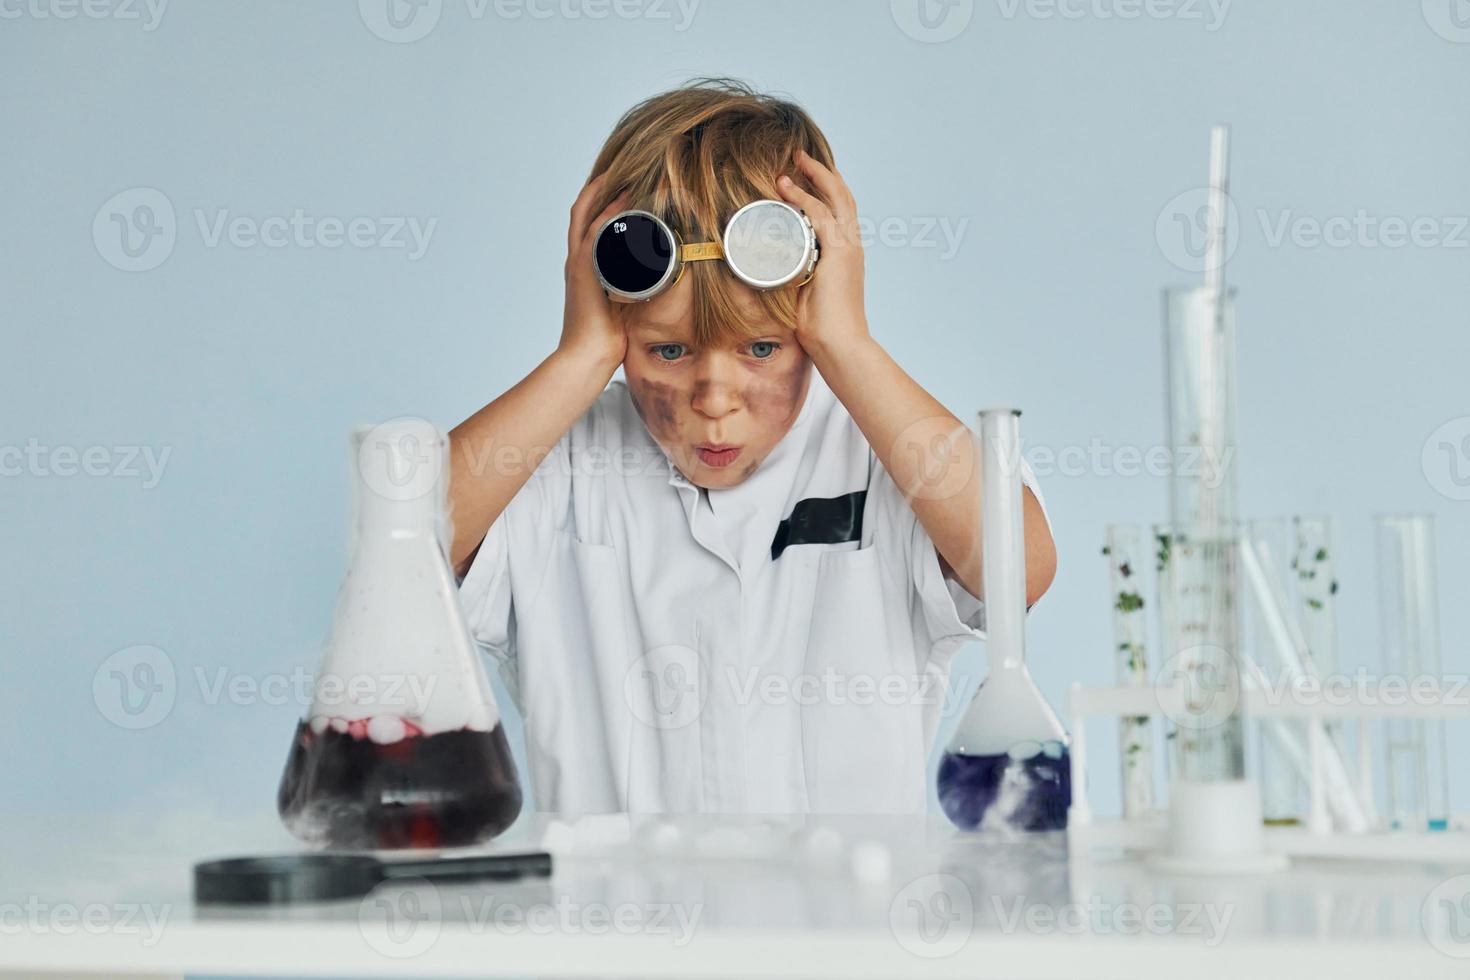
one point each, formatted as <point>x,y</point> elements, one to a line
<point>829,184</point>
<point>577,227</point>
<point>832,209</point>
<point>619,203</point>
<point>829,230</point>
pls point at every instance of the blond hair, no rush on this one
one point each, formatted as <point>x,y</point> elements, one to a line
<point>693,156</point>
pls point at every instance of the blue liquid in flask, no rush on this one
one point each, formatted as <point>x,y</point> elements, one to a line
<point>1028,788</point>
<point>1006,767</point>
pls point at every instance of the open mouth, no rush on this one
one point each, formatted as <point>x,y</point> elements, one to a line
<point>717,456</point>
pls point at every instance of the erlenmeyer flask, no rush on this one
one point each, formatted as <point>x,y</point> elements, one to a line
<point>1006,767</point>
<point>402,745</point>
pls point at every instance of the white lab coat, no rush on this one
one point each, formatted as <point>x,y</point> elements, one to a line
<point>664,661</point>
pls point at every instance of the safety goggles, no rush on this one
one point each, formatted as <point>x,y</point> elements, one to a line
<point>767,244</point>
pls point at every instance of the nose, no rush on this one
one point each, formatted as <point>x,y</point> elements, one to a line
<point>716,393</point>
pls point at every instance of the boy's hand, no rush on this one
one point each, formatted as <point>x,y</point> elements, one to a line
<point>589,328</point>
<point>829,309</point>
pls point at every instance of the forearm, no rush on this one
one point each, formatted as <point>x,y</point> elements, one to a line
<point>930,455</point>
<point>494,452</point>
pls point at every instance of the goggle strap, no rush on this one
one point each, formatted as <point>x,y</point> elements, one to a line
<point>702,251</point>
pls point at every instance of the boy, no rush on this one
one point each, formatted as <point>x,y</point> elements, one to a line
<point>735,582</point>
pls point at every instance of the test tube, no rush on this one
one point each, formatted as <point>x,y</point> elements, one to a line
<point>1282,788</point>
<point>1199,585</point>
<point>1418,791</point>
<point>1126,562</point>
<point>1316,590</point>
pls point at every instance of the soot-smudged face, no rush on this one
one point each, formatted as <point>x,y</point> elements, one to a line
<point>716,412</point>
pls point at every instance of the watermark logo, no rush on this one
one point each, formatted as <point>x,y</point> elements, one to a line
<point>940,454</point>
<point>400,21</point>
<point>565,917</point>
<point>38,918</point>
<point>401,918</point>
<point>1183,226</point>
<point>1207,922</point>
<point>138,687</point>
<point>406,21</point>
<point>1182,230</point>
<point>135,688</point>
<point>148,13</point>
<point>932,21</point>
<point>933,916</point>
<point>1446,459</point>
<point>1445,917</point>
<point>1208,679</point>
<point>1210,13</point>
<point>1363,229</point>
<point>662,688</point>
<point>401,459</point>
<point>135,230</point>
<point>114,462</point>
<point>1450,19</point>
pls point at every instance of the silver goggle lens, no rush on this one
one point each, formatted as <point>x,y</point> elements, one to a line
<point>769,244</point>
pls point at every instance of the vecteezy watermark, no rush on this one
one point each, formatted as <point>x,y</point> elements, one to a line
<point>147,13</point>
<point>1445,459</point>
<point>1365,230</point>
<point>135,687</point>
<point>402,459</point>
<point>137,229</point>
<point>932,21</point>
<point>1450,19</point>
<point>1098,458</point>
<point>115,462</point>
<point>1361,688</point>
<point>1183,225</point>
<point>404,694</point>
<point>1207,681</point>
<point>1183,228</point>
<point>1445,917</point>
<point>36,917</point>
<point>406,21</point>
<point>933,915</point>
<point>663,687</point>
<point>941,233</point>
<point>833,687</point>
<point>1095,917</point>
<point>138,687</point>
<point>562,917</point>
<point>669,687</point>
<point>401,918</point>
<point>1210,14</point>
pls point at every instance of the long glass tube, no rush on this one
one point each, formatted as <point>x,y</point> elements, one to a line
<point>1418,792</point>
<point>1199,586</point>
<point>1314,568</point>
<point>1283,791</point>
<point>1126,562</point>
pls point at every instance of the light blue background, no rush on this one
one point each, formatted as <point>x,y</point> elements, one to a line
<point>1060,141</point>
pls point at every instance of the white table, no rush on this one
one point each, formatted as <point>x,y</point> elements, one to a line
<point>954,906</point>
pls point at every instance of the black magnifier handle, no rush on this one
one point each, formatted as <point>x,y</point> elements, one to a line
<point>503,867</point>
<point>288,878</point>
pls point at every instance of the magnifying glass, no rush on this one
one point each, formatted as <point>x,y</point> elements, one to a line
<point>289,878</point>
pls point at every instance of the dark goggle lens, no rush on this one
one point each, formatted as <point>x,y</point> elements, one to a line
<point>633,253</point>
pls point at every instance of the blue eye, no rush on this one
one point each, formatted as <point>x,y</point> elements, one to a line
<point>764,348</point>
<point>668,352</point>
